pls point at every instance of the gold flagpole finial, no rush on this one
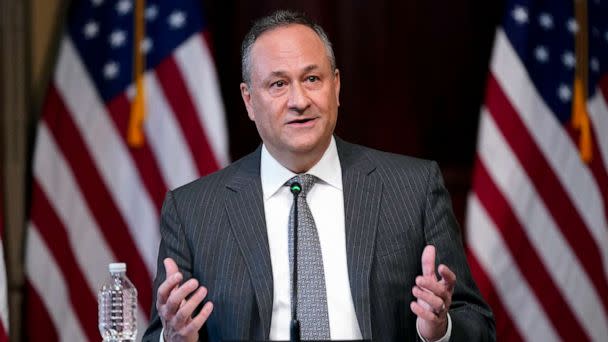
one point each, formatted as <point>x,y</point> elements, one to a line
<point>135,135</point>
<point>580,116</point>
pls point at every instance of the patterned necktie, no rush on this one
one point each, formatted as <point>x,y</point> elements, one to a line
<point>312,297</point>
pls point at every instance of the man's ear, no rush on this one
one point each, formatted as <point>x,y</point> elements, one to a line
<point>246,95</point>
<point>337,85</point>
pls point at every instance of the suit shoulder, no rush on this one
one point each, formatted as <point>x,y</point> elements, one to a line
<point>393,162</point>
<point>399,173</point>
<point>210,184</point>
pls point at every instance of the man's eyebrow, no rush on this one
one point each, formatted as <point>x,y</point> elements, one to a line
<point>279,73</point>
<point>311,68</point>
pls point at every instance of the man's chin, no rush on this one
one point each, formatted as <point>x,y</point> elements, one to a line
<point>306,147</point>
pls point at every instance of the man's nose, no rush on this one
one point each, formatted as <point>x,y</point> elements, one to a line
<point>298,98</point>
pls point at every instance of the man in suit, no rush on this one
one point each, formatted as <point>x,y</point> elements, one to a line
<point>379,223</point>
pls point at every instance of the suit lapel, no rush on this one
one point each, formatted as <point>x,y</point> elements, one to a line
<point>245,208</point>
<point>362,195</point>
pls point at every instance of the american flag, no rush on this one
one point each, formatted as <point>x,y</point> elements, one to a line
<point>537,215</point>
<point>96,194</point>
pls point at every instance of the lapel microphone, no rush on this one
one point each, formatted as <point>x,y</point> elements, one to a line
<point>295,188</point>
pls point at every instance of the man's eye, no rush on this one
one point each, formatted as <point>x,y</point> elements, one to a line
<point>278,84</point>
<point>312,78</point>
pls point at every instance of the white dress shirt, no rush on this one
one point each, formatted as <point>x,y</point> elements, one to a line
<point>326,203</point>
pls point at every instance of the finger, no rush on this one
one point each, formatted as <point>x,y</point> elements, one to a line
<point>428,261</point>
<point>170,267</point>
<point>434,303</point>
<point>423,313</point>
<point>448,277</point>
<point>185,311</point>
<point>199,320</point>
<point>431,285</point>
<point>166,288</point>
<point>176,297</point>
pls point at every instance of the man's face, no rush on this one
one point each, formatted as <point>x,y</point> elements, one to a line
<point>293,95</point>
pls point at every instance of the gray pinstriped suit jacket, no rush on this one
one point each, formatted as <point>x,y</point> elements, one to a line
<point>214,228</point>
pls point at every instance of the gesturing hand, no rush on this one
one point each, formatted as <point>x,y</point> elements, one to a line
<point>434,297</point>
<point>175,311</point>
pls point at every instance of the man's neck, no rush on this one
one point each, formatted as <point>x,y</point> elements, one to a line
<point>299,162</point>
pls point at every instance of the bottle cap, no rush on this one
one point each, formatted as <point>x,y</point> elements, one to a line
<point>117,267</point>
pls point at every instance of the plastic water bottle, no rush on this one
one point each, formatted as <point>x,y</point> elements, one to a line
<point>117,306</point>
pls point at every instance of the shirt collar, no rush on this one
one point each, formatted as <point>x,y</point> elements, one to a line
<point>274,175</point>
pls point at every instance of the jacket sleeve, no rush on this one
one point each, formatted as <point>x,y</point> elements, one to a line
<point>173,245</point>
<point>472,319</point>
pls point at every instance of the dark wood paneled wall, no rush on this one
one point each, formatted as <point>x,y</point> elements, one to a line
<point>413,74</point>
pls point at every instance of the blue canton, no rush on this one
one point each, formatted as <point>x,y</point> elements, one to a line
<point>543,35</point>
<point>102,33</point>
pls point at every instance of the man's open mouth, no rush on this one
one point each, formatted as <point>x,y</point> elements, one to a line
<point>301,121</point>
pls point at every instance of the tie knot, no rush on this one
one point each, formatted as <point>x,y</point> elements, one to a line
<point>305,180</point>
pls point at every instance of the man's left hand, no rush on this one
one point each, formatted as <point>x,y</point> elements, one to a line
<point>434,297</point>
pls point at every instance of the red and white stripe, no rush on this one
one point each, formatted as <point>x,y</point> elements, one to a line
<point>537,226</point>
<point>96,200</point>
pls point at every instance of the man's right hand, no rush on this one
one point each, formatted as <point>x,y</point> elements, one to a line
<point>175,311</point>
